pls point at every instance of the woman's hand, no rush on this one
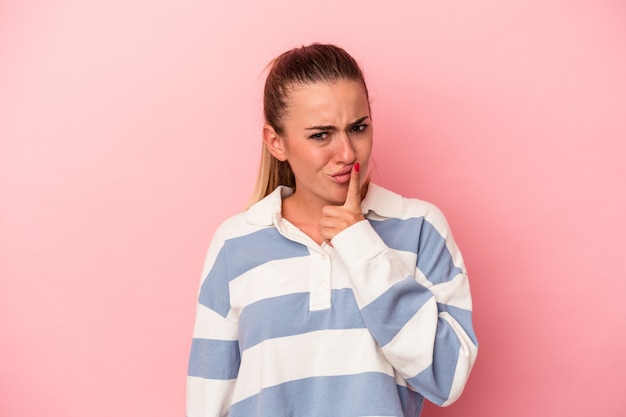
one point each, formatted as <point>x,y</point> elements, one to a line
<point>337,218</point>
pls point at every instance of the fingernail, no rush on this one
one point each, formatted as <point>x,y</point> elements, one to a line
<point>357,167</point>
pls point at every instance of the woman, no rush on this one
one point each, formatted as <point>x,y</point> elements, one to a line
<point>329,296</point>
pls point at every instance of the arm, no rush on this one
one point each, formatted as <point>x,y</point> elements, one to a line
<point>214,358</point>
<point>420,315</point>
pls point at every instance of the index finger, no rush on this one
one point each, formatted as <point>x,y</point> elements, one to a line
<point>353,198</point>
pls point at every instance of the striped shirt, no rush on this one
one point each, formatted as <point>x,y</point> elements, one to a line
<point>369,326</point>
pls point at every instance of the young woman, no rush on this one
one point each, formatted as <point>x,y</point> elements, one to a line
<point>329,296</point>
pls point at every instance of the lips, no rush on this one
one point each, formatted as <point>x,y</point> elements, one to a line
<point>343,175</point>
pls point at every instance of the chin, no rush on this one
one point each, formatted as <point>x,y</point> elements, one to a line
<point>338,199</point>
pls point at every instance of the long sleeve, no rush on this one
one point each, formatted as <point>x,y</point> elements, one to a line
<point>214,359</point>
<point>412,290</point>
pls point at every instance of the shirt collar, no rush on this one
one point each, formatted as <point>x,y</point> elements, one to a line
<point>379,200</point>
<point>263,212</point>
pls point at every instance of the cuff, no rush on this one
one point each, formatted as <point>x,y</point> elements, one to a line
<point>358,244</point>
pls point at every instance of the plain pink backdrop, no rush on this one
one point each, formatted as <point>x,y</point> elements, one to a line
<point>129,130</point>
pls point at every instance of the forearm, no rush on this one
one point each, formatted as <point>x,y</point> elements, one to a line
<point>430,343</point>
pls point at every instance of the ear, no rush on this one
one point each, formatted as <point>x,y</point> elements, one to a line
<point>274,142</point>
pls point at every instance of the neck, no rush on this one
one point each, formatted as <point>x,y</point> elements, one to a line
<point>305,214</point>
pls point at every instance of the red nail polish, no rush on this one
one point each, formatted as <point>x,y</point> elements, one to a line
<point>357,167</point>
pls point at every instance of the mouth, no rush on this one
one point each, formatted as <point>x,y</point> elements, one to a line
<point>342,176</point>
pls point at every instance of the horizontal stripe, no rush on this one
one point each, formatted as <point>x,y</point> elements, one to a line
<point>242,254</point>
<point>435,382</point>
<point>454,292</point>
<point>367,394</point>
<point>319,353</point>
<point>210,325</point>
<point>272,279</point>
<point>214,292</point>
<point>387,314</point>
<point>249,251</point>
<point>419,236</point>
<point>433,257</point>
<point>463,317</point>
<point>214,359</point>
<point>411,351</point>
<point>208,397</point>
<point>288,315</point>
<point>399,234</point>
<point>412,402</point>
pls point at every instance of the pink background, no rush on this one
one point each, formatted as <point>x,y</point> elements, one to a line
<point>128,130</point>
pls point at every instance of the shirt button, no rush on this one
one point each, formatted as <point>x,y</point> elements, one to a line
<point>322,283</point>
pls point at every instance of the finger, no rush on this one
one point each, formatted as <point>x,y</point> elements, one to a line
<point>328,233</point>
<point>353,200</point>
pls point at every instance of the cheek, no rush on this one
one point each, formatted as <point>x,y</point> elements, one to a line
<point>365,149</point>
<point>308,160</point>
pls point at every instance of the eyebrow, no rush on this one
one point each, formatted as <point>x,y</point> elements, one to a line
<point>331,127</point>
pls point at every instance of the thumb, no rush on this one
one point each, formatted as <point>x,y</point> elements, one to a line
<point>353,200</point>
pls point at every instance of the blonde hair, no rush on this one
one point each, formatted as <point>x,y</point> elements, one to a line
<point>299,66</point>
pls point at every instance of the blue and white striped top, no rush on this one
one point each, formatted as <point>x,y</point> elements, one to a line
<point>369,326</point>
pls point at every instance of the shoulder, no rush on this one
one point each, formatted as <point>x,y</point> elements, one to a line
<point>235,231</point>
<point>387,204</point>
<point>413,214</point>
<point>236,226</point>
<point>259,216</point>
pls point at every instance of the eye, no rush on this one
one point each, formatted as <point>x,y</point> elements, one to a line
<point>358,128</point>
<point>319,136</point>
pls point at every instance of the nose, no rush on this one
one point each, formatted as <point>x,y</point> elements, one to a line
<point>345,152</point>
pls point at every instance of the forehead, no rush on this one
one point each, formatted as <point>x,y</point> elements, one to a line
<point>341,98</point>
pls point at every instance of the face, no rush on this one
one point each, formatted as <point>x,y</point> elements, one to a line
<point>327,129</point>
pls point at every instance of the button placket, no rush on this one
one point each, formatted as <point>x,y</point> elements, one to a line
<point>320,281</point>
